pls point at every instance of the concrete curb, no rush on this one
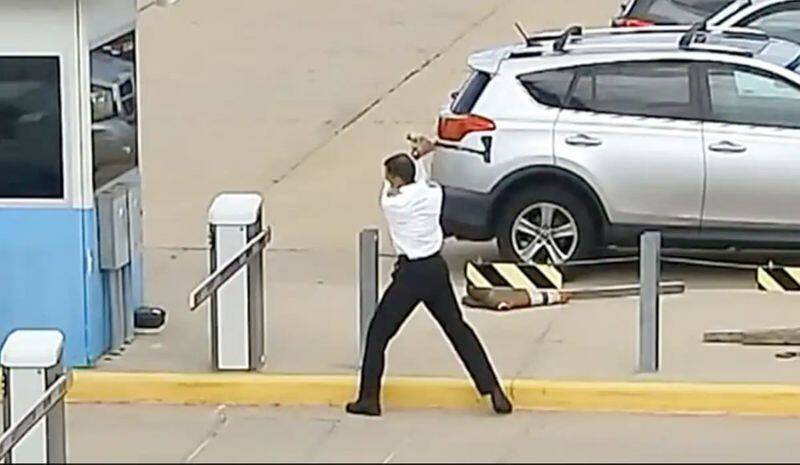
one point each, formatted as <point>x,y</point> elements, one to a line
<point>304,390</point>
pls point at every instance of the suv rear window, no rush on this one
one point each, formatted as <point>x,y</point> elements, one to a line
<point>470,93</point>
<point>676,11</point>
<point>548,87</point>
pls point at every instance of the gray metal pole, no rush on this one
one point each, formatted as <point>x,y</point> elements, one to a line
<point>367,285</point>
<point>56,421</point>
<point>57,434</point>
<point>649,302</point>
<point>116,297</point>
<point>127,299</point>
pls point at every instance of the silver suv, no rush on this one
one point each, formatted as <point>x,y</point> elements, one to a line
<point>571,142</point>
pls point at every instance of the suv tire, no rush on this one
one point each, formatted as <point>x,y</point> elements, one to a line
<point>565,208</point>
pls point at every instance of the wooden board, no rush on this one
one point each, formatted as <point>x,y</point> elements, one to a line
<point>765,337</point>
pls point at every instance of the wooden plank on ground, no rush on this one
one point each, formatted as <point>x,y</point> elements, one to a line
<point>765,337</point>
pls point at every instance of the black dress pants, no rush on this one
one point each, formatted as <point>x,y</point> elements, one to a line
<point>413,281</point>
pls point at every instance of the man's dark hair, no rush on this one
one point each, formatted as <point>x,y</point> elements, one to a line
<point>402,166</point>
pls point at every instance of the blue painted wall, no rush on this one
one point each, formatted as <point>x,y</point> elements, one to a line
<point>97,313</point>
<point>44,281</point>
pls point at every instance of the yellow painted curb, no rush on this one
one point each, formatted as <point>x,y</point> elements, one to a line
<point>261,389</point>
<point>659,397</point>
<point>302,390</point>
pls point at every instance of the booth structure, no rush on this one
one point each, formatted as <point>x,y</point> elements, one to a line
<point>70,196</point>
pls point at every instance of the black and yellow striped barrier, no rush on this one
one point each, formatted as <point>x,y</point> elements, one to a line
<point>778,279</point>
<point>513,276</point>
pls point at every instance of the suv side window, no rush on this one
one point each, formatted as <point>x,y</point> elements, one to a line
<point>742,95</point>
<point>656,89</point>
<point>548,87</point>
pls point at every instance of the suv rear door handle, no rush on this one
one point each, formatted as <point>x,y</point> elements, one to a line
<point>582,140</point>
<point>727,146</point>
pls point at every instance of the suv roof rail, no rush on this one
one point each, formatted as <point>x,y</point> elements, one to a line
<point>562,37</point>
<point>690,36</point>
<point>572,31</point>
<point>695,38</point>
<point>742,33</point>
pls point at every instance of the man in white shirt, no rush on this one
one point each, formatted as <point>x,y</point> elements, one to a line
<point>412,206</point>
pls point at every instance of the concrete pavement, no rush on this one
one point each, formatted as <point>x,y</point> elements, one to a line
<point>262,95</point>
<point>238,95</point>
<point>300,101</point>
<point>314,331</point>
<point>221,434</point>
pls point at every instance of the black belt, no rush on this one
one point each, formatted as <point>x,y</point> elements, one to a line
<point>405,259</point>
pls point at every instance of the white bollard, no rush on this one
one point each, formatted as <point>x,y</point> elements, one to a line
<point>31,361</point>
<point>237,308</point>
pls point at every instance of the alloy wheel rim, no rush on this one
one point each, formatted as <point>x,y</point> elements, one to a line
<point>545,233</point>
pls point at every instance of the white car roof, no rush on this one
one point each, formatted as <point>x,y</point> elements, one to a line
<point>596,46</point>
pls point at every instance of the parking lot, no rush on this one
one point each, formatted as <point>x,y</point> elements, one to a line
<point>314,151</point>
<point>313,140</point>
<point>262,96</point>
<point>170,329</point>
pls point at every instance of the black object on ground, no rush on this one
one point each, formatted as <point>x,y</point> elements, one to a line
<point>150,320</point>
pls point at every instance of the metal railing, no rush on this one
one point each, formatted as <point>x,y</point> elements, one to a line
<point>251,251</point>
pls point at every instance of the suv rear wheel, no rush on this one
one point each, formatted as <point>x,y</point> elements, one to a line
<point>547,225</point>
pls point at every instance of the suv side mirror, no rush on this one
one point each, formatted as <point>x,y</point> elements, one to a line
<point>453,95</point>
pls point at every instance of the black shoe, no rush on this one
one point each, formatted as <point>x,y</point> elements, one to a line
<point>500,403</point>
<point>364,407</point>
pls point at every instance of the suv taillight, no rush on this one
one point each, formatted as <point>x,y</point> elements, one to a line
<point>454,128</point>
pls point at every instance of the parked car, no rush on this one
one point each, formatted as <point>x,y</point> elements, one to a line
<point>778,18</point>
<point>666,12</point>
<point>570,143</point>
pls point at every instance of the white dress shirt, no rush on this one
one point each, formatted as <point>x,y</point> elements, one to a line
<point>413,214</point>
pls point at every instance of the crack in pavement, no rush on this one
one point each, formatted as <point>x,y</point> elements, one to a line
<point>375,103</point>
<point>521,437</point>
<point>220,420</point>
<point>333,424</point>
<point>531,355</point>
